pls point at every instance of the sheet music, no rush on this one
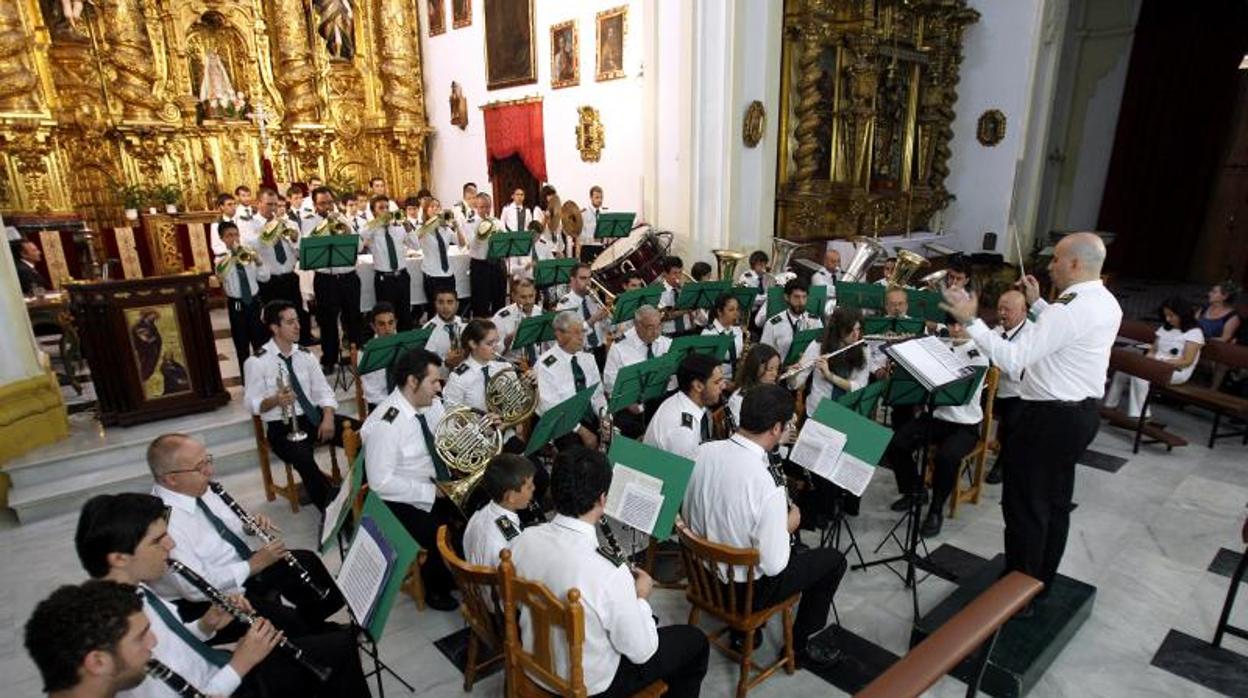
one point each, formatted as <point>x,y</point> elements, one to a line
<point>333,512</point>
<point>634,498</point>
<point>826,461</point>
<point>930,361</point>
<point>834,464</point>
<point>363,572</point>
<point>852,474</point>
<point>811,441</point>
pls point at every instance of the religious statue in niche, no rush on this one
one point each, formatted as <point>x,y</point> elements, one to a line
<point>437,17</point>
<point>65,18</point>
<point>510,55</point>
<point>459,106</point>
<point>217,98</point>
<point>610,43</point>
<point>565,67</point>
<point>337,28</point>
<point>461,13</point>
<point>589,134</point>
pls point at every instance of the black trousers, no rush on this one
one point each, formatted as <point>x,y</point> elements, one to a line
<point>488,282</point>
<point>1039,483</point>
<point>337,295</point>
<point>1006,409</point>
<point>280,675</point>
<point>680,661</point>
<point>815,574</point>
<point>300,453</point>
<point>285,287</point>
<point>395,288</point>
<point>246,330</point>
<point>423,525</point>
<point>952,442</point>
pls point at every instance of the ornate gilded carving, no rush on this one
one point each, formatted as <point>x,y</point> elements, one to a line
<point>124,45</point>
<point>752,125</point>
<point>309,145</point>
<point>29,144</point>
<point>292,61</point>
<point>18,81</point>
<point>399,56</point>
<point>589,134</point>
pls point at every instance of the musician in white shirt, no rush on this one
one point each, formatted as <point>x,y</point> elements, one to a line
<point>446,326</point>
<point>516,216</point>
<point>377,187</point>
<point>375,383</point>
<point>781,328</point>
<point>582,300</point>
<point>755,277</point>
<point>276,239</point>
<point>465,208</point>
<point>590,245</point>
<point>466,384</point>
<point>564,370</point>
<point>436,239</point>
<point>727,316</point>
<point>524,305</point>
<point>487,277</point>
<point>1012,326</point>
<point>337,288</point>
<point>827,276</point>
<point>229,211</point>
<point>736,498</point>
<point>683,421</point>
<point>241,271</point>
<point>508,480</point>
<point>641,343</point>
<point>389,242</point>
<point>830,378</point>
<point>243,198</point>
<point>623,650</point>
<point>675,322</point>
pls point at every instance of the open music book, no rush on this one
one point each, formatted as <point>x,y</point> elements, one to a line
<point>930,361</point>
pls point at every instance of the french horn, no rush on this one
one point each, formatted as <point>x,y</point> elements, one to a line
<point>466,440</point>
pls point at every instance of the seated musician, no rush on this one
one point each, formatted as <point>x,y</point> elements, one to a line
<point>507,321</point>
<point>736,498</point>
<point>384,324</point>
<point>641,343</point>
<point>952,431</point>
<point>212,540</point>
<point>675,322</point>
<point>90,640</point>
<point>1014,327</point>
<point>827,276</point>
<point>124,538</point>
<point>890,265</point>
<point>466,384</point>
<point>633,280</point>
<point>896,305</point>
<point>564,370</point>
<point>305,394</point>
<point>699,272</point>
<point>402,464</point>
<point>759,366</point>
<point>508,481</point>
<point>623,649</point>
<point>844,373</point>
<point>683,421</point>
<point>447,328</point>
<point>727,318</point>
<point>779,329</point>
<point>582,299</point>
<point>1177,342</point>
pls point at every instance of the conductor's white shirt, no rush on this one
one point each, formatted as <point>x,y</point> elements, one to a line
<point>396,459</point>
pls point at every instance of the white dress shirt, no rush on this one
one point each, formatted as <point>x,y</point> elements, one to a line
<point>261,370</point>
<point>396,459</point>
<point>507,321</point>
<point>589,221</point>
<point>440,341</point>
<point>629,350</point>
<point>827,278</point>
<point>252,238</point>
<point>555,382</point>
<point>516,218</point>
<point>230,281</point>
<point>734,406</point>
<point>401,236</point>
<point>779,330</point>
<point>972,412</point>
<point>310,223</point>
<point>738,344</point>
<point>466,384</point>
<point>732,499</point>
<point>1010,383</point>
<point>1067,356</point>
<point>489,531</point>
<point>478,248</point>
<point>563,555</point>
<point>214,235</point>
<point>175,652</point>
<point>374,382</point>
<point>677,426</point>
<point>549,245</point>
<point>822,388</point>
<point>200,547</point>
<point>585,306</point>
<point>667,299</point>
<point>431,262</point>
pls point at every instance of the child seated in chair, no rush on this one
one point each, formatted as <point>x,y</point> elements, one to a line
<point>508,481</point>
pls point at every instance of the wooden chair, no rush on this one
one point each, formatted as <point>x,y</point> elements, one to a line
<point>968,486</point>
<point>481,608</point>
<point>733,604</point>
<point>361,405</point>
<point>546,613</point>
<point>289,491</point>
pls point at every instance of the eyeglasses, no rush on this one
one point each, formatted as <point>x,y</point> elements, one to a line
<point>200,467</point>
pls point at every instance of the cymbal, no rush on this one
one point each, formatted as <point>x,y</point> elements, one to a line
<point>570,218</point>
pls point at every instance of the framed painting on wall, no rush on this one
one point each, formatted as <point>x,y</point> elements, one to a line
<point>461,13</point>
<point>156,344</point>
<point>609,43</point>
<point>437,17</point>
<point>565,51</point>
<point>510,54</point>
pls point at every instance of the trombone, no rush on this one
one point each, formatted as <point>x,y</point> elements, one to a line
<point>605,296</point>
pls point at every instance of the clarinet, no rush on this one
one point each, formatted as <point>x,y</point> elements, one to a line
<point>219,599</point>
<point>613,545</point>
<point>173,680</point>
<point>252,528</point>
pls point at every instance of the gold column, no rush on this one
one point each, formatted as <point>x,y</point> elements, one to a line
<point>292,62</point>
<point>806,111</point>
<point>399,64</point>
<point>125,46</point>
<point>19,85</point>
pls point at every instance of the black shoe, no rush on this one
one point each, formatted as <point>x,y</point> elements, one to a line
<point>932,524</point>
<point>994,475</point>
<point>818,656</point>
<point>907,500</point>
<point>441,602</point>
<point>738,640</point>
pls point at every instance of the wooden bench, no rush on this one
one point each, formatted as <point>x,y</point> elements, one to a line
<point>974,628</point>
<point>1158,374</point>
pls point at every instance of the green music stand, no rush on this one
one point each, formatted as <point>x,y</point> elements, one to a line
<point>864,400</point>
<point>713,345</point>
<point>850,294</point>
<point>745,296</point>
<point>503,245</point>
<point>627,303</point>
<point>549,272</point>
<point>816,298</point>
<point>614,225</point>
<point>640,382</point>
<point>801,340</point>
<point>533,330</point>
<point>700,295</point>
<point>324,251</point>
<point>560,419</point>
<point>924,304</point>
<point>382,352</point>
<point>900,326</point>
<point>673,470</point>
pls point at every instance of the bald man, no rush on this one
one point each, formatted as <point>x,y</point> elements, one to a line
<point>1013,326</point>
<point>1063,367</point>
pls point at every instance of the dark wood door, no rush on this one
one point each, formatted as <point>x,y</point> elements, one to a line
<point>1222,251</point>
<point>508,175</point>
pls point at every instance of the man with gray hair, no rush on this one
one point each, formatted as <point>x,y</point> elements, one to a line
<point>1065,361</point>
<point>639,343</point>
<point>565,369</point>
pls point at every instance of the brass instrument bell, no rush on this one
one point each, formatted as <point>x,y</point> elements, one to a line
<point>908,263</point>
<point>867,251</point>
<point>726,263</point>
<point>571,221</point>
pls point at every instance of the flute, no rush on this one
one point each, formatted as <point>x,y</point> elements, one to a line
<point>175,681</point>
<point>252,528</point>
<point>219,599</point>
<point>803,365</point>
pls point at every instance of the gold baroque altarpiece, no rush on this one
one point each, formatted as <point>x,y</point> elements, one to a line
<point>867,95</point>
<point>98,95</point>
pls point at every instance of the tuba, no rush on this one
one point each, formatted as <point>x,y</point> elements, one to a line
<point>781,254</point>
<point>726,262</point>
<point>867,251</point>
<point>908,263</point>
<point>466,440</point>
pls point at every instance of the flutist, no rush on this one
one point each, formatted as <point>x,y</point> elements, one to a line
<point>232,553</point>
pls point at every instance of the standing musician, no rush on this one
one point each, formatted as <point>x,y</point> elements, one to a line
<point>683,422</point>
<point>640,343</point>
<point>337,289</point>
<point>951,430</point>
<point>466,208</point>
<point>508,481</point>
<point>123,538</point>
<point>389,241</point>
<point>229,213</point>
<point>308,204</point>
<point>589,244</point>
<point>827,276</point>
<point>242,196</point>
<point>756,276</point>
<point>276,240</point>
<point>515,216</point>
<point>581,299</point>
<point>1014,327</point>
<point>212,541</point>
<point>437,234</point>
<point>295,210</point>
<point>377,187</point>
<point>307,396</point>
<point>623,649</point>
<point>727,317</point>
<point>759,366</point>
<point>376,383</point>
<point>241,271</point>
<point>675,322</point>
<point>780,328</point>
<point>736,498</point>
<point>403,465</point>
<point>486,276</point>
<point>564,370</point>
<point>90,640</point>
<point>523,305</point>
<point>448,328</point>
<point>1065,360</point>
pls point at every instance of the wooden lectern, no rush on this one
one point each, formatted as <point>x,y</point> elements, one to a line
<point>150,346</point>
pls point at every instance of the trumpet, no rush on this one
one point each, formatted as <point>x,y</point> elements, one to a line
<point>606,297</point>
<point>296,434</point>
<point>803,365</point>
<point>245,255</point>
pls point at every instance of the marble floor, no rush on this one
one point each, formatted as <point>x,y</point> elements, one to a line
<point>1144,536</point>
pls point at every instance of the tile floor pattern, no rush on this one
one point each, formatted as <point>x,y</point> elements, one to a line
<point>1144,536</point>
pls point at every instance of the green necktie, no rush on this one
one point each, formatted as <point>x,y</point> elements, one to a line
<point>439,466</point>
<point>591,334</point>
<point>650,351</point>
<point>244,284</point>
<point>446,264</point>
<point>235,542</point>
<point>706,428</point>
<point>485,371</point>
<point>213,656</point>
<point>394,256</point>
<point>311,411</point>
<point>732,347</point>
<point>279,249</point>
<point>578,376</point>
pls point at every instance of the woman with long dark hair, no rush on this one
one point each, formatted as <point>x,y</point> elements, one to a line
<point>840,374</point>
<point>1178,342</point>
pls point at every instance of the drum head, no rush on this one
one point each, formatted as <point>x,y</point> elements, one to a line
<point>621,249</point>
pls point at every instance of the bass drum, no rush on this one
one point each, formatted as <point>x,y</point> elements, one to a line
<point>642,251</point>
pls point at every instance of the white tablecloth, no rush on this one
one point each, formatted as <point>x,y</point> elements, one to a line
<point>364,268</point>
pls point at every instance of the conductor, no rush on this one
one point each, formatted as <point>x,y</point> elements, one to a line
<point>1066,360</point>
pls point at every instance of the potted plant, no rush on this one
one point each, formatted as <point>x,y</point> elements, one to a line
<point>169,195</point>
<point>132,197</point>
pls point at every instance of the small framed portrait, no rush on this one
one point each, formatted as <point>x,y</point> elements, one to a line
<point>565,50</point>
<point>461,13</point>
<point>609,43</point>
<point>156,345</point>
<point>437,17</point>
